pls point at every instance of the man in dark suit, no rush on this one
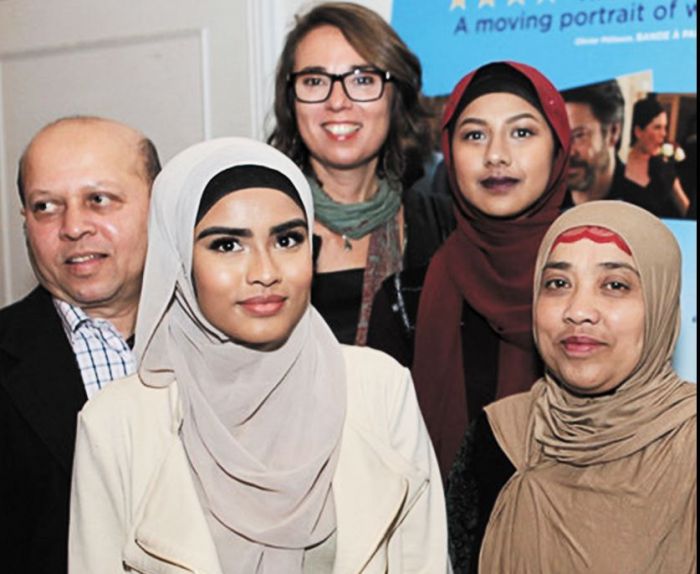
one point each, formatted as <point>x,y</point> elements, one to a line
<point>84,184</point>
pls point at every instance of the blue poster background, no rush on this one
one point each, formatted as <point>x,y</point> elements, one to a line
<point>685,360</point>
<point>573,42</point>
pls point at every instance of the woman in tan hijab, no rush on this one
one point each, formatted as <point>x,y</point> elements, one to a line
<point>246,444</point>
<point>598,460</point>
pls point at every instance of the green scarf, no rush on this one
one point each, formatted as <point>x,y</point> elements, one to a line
<point>355,220</point>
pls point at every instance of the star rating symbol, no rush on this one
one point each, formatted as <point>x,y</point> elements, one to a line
<point>454,4</point>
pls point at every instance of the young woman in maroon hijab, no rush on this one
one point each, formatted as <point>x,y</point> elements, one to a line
<point>505,138</point>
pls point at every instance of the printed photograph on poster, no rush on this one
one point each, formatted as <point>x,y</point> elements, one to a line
<point>629,143</point>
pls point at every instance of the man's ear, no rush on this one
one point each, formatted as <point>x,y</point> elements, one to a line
<point>23,213</point>
<point>614,133</point>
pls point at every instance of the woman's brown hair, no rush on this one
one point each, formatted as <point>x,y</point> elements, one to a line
<point>408,142</point>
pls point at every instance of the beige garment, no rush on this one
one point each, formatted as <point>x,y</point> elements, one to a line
<point>604,484</point>
<point>261,429</point>
<point>134,506</point>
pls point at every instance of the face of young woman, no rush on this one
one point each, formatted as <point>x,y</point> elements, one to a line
<point>502,151</point>
<point>652,137</point>
<point>589,316</point>
<point>339,132</point>
<point>252,266</point>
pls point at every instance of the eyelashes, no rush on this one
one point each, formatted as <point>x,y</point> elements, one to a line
<point>225,244</point>
<point>479,135</point>
<point>229,244</point>
<point>290,239</point>
<point>554,284</point>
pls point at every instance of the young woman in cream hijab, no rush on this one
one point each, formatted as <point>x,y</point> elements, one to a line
<point>250,441</point>
<point>597,462</point>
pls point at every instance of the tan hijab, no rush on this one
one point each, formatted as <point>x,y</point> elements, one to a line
<point>603,484</point>
<point>261,429</point>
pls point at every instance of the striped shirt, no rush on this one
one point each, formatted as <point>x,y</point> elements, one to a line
<point>101,352</point>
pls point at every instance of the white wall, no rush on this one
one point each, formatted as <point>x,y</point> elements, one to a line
<point>180,70</point>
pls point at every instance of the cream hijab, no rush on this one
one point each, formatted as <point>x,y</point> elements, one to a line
<point>261,429</point>
<point>603,484</point>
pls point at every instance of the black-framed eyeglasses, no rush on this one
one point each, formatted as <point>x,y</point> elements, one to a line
<point>360,85</point>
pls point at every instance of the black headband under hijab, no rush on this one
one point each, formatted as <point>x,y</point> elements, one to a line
<point>498,78</point>
<point>245,177</point>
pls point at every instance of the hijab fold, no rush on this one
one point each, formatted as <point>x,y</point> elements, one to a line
<point>609,480</point>
<point>261,429</point>
<point>487,264</point>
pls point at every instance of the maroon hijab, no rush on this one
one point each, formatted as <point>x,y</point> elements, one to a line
<point>487,263</point>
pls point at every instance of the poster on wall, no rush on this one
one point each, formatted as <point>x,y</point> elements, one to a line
<point>573,42</point>
<point>646,47</point>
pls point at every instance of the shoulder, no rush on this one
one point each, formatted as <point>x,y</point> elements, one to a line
<point>429,217</point>
<point>662,166</point>
<point>383,412</point>
<point>430,211</point>
<point>366,362</point>
<point>512,410</point>
<point>368,368</point>
<point>509,418</point>
<point>433,184</point>
<point>517,404</point>
<point>128,403</point>
<point>686,433</point>
<point>376,385</point>
<point>32,325</point>
<point>34,303</point>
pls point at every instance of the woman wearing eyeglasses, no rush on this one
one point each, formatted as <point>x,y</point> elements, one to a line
<point>349,112</point>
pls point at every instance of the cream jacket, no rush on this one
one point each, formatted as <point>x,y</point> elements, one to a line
<point>134,507</point>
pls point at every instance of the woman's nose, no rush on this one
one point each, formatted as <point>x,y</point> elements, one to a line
<point>581,308</point>
<point>498,151</point>
<point>338,99</point>
<point>263,269</point>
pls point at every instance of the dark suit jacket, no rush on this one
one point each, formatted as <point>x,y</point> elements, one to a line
<point>41,392</point>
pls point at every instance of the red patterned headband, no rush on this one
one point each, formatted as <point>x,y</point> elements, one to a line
<point>594,233</point>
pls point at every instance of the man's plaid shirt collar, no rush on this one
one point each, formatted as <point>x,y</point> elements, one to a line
<point>101,352</point>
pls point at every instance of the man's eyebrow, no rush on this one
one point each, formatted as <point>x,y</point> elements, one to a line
<point>221,230</point>
<point>287,225</point>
